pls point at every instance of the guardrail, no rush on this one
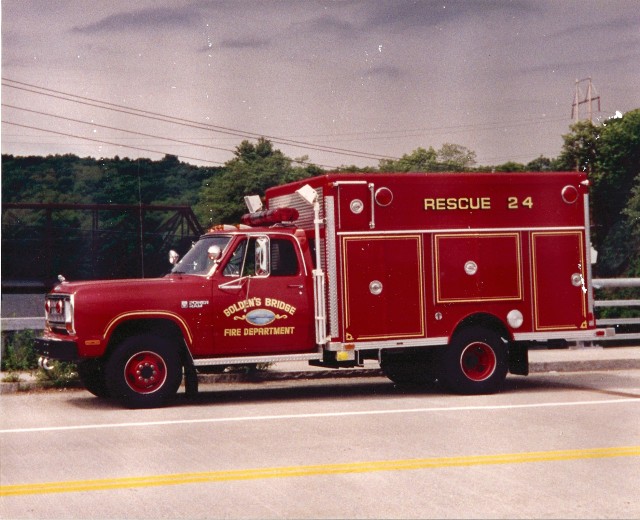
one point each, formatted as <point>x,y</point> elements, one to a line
<point>11,324</point>
<point>37,323</point>
<point>603,283</point>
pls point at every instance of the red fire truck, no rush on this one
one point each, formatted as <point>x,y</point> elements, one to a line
<point>437,276</point>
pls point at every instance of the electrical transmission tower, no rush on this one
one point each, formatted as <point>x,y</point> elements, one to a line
<point>581,99</point>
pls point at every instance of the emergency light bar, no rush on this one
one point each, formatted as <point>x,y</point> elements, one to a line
<point>270,216</point>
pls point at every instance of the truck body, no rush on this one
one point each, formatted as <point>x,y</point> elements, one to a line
<point>437,276</point>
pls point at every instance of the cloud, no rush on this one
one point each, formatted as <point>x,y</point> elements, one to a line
<point>244,43</point>
<point>423,14</point>
<point>601,26</point>
<point>385,72</point>
<point>326,24</point>
<point>141,19</point>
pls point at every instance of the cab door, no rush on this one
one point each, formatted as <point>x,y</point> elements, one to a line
<point>263,300</point>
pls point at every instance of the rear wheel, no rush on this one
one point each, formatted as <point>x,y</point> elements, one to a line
<point>144,371</point>
<point>475,362</point>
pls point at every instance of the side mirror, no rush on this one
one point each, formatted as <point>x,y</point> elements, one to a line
<point>214,253</point>
<point>173,257</point>
<point>262,256</point>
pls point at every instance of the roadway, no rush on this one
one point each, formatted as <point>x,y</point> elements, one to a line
<point>551,445</point>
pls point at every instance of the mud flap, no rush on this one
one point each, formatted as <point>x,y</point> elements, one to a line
<point>519,359</point>
<point>190,380</point>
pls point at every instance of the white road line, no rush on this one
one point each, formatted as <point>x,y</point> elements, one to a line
<point>316,415</point>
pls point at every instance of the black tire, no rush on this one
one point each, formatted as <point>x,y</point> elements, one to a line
<point>475,362</point>
<point>411,367</point>
<point>92,377</point>
<point>144,371</point>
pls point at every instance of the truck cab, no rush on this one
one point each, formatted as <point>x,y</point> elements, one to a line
<point>241,295</point>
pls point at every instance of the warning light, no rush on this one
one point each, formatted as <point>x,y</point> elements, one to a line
<point>384,197</point>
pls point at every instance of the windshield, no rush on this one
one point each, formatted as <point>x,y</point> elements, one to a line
<point>197,261</point>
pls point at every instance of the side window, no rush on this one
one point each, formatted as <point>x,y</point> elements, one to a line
<point>243,260</point>
<point>284,260</point>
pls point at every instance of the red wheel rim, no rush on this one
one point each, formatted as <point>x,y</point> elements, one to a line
<point>478,361</point>
<point>145,372</point>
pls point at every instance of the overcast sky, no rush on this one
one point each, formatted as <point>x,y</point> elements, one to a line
<point>370,78</point>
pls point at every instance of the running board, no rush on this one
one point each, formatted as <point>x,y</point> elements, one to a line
<point>255,359</point>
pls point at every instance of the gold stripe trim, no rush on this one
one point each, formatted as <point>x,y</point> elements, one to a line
<point>148,314</point>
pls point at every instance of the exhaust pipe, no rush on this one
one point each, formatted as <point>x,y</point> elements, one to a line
<point>44,363</point>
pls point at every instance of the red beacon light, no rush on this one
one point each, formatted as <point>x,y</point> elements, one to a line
<point>270,217</point>
<point>223,227</point>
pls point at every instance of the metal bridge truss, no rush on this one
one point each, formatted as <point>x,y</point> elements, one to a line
<point>42,234</point>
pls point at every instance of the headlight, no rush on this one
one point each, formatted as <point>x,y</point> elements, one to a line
<point>59,313</point>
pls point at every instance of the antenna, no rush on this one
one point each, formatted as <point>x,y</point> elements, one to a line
<point>578,99</point>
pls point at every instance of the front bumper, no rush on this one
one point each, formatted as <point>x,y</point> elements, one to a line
<point>62,350</point>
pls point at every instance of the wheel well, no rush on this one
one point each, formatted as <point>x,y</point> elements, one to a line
<point>517,352</point>
<point>160,327</point>
<point>484,320</point>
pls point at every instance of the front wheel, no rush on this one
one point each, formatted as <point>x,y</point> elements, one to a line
<point>144,372</point>
<point>475,362</point>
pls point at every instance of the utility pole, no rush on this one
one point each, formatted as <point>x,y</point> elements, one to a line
<point>579,99</point>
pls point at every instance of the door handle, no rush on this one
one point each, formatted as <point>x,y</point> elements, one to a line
<point>294,286</point>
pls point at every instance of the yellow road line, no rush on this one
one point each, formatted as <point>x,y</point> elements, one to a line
<point>319,469</point>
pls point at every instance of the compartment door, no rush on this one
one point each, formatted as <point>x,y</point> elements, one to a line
<point>559,291</point>
<point>383,287</point>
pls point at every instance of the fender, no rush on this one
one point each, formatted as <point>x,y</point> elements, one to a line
<point>131,315</point>
<point>483,318</point>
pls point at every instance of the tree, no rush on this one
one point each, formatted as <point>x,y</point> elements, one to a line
<point>254,168</point>
<point>579,149</point>
<point>454,157</point>
<point>451,157</point>
<point>510,166</point>
<point>420,160</point>
<point>616,193</point>
<point>542,164</point>
<point>632,216</point>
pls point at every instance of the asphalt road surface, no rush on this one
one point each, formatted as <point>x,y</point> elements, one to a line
<point>549,446</point>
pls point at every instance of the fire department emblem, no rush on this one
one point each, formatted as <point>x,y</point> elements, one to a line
<point>261,317</point>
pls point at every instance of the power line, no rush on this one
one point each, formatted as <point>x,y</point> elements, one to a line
<point>185,122</point>
<point>104,142</point>
<point>419,132</point>
<point>117,129</point>
<point>187,143</point>
<point>370,135</point>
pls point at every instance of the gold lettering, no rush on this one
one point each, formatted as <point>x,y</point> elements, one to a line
<point>280,305</point>
<point>459,203</point>
<point>242,305</point>
<point>269,331</point>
